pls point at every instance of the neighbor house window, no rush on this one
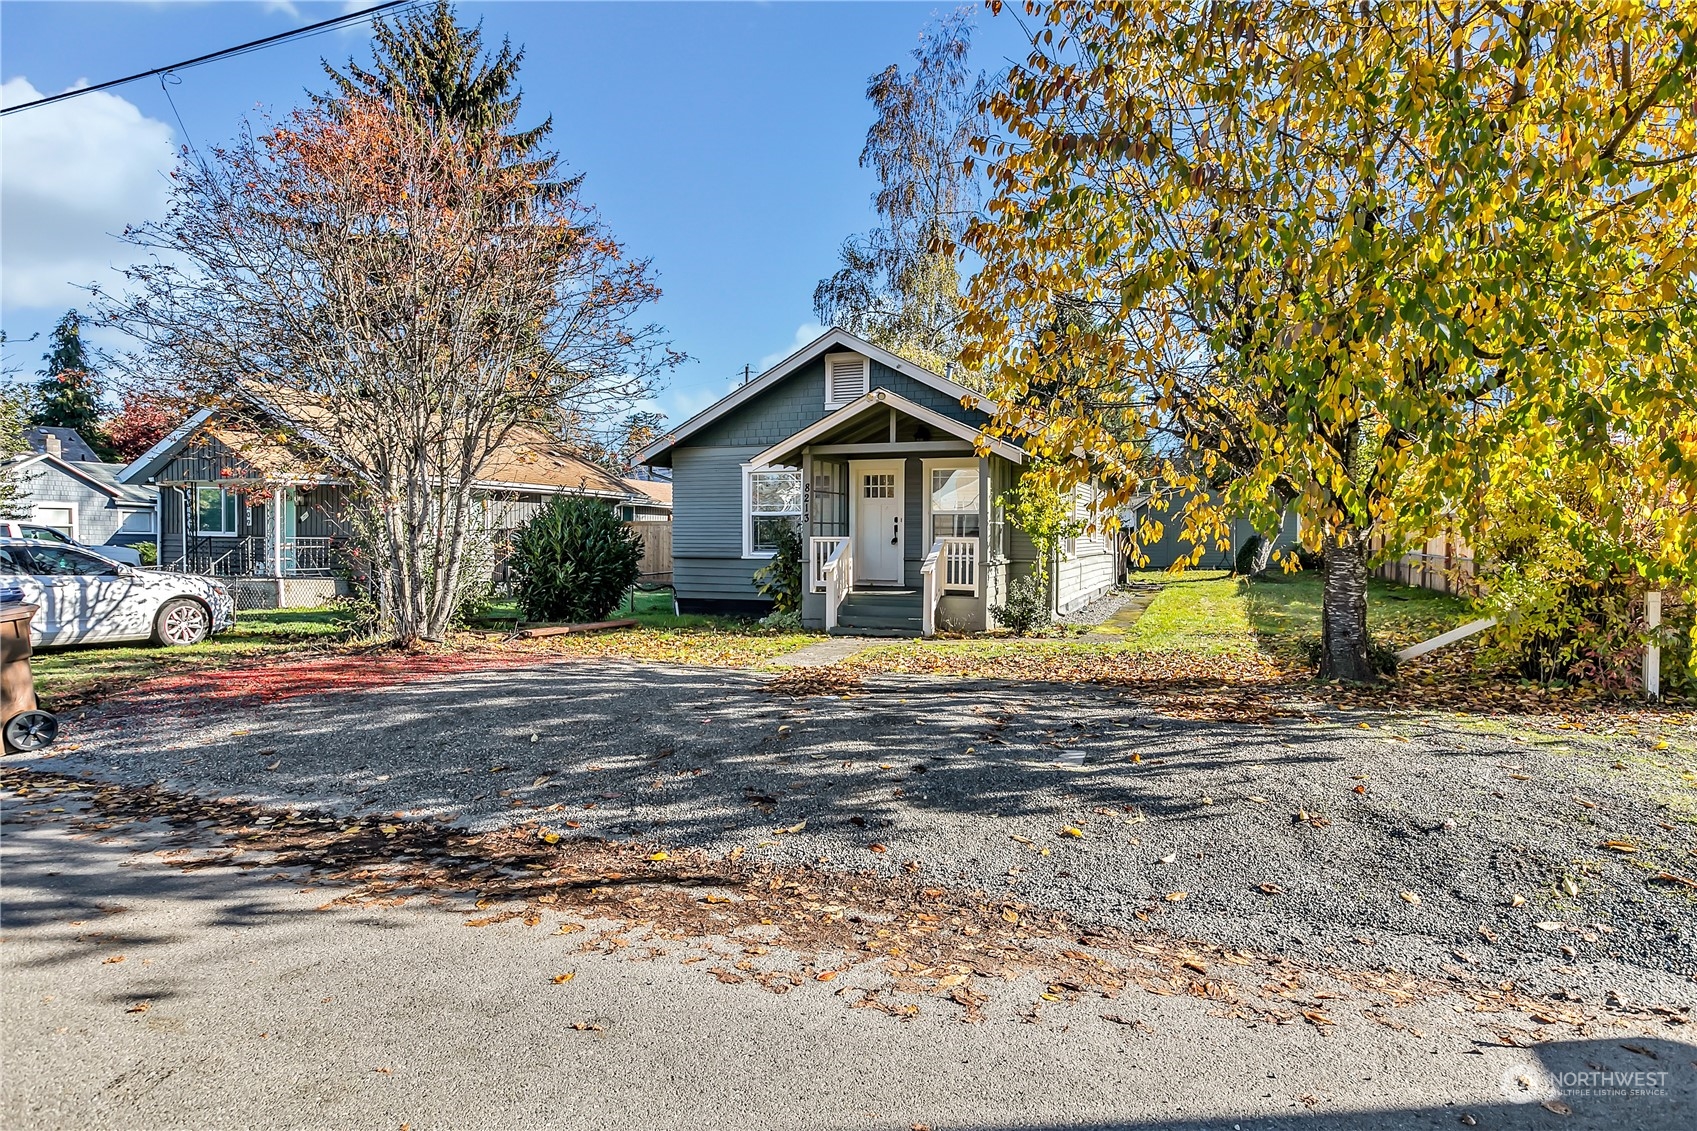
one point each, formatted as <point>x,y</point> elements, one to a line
<point>771,497</point>
<point>215,510</point>
<point>62,519</point>
<point>137,522</point>
<point>954,502</point>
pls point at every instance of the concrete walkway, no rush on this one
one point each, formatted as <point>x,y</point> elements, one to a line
<point>828,651</point>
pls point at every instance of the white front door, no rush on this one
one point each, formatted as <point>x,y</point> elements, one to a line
<point>877,486</point>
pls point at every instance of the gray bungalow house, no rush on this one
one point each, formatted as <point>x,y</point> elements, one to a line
<point>878,459</point>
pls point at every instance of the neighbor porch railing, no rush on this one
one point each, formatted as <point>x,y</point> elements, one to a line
<point>837,572</point>
<point>252,557</point>
<point>951,566</point>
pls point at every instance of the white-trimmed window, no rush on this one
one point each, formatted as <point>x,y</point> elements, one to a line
<point>771,497</point>
<point>62,518</point>
<point>951,498</point>
<point>847,376</point>
<point>137,522</point>
<point>215,511</point>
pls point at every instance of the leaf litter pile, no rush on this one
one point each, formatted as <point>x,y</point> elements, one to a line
<point>900,946</point>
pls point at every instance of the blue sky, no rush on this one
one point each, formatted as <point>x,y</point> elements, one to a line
<point>720,140</point>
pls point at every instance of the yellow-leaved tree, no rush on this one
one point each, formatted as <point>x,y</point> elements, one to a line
<point>1345,257</point>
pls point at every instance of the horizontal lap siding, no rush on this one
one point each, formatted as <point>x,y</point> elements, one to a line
<point>707,561</point>
<point>1085,575</point>
<point>707,479</point>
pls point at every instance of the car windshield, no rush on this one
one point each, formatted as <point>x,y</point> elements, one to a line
<point>60,561</point>
<point>47,534</point>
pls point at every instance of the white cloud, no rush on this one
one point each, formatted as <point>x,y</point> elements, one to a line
<point>72,175</point>
<point>804,333</point>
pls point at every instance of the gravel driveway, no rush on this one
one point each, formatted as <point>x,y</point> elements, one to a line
<point>1430,845</point>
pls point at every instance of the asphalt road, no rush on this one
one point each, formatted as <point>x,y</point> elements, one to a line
<point>263,1011</point>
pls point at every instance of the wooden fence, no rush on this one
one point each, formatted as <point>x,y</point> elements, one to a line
<point>656,551</point>
<point>1443,564</point>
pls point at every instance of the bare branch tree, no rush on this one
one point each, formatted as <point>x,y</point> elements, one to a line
<point>397,295</point>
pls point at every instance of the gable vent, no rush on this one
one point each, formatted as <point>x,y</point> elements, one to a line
<point>845,378</point>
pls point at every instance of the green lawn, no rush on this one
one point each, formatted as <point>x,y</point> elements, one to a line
<point>1284,609</point>
<point>1230,627</point>
<point>67,676</point>
<point>1199,611</point>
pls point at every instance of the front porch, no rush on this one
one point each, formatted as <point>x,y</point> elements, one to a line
<point>279,545</point>
<point>903,533</point>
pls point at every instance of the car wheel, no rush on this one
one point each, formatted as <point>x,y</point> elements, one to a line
<point>181,621</point>
<point>31,730</point>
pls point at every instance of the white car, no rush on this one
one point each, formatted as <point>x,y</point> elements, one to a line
<point>47,534</point>
<point>84,598</point>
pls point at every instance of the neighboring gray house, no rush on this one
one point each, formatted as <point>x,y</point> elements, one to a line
<point>878,459</point>
<point>267,510</point>
<point>1168,514</point>
<point>81,498</point>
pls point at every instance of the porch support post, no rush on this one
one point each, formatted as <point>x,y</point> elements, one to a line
<point>807,523</point>
<point>275,531</point>
<point>984,483</point>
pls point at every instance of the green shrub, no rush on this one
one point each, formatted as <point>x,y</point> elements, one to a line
<point>780,579</point>
<point>781,622</point>
<point>1027,607</point>
<point>148,552</point>
<point>574,561</point>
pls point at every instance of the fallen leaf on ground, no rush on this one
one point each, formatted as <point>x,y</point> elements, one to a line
<point>795,828</point>
<point>561,979</point>
<point>1177,896</point>
<point>1410,897</point>
<point>1070,831</point>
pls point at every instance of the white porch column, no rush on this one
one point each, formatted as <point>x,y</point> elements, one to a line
<point>274,530</point>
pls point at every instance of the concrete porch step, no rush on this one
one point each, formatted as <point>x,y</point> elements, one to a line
<point>894,633</point>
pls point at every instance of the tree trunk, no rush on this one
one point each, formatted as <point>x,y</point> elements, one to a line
<point>1263,555</point>
<point>1343,614</point>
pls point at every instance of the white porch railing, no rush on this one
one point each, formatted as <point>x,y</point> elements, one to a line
<point>928,593</point>
<point>819,551</point>
<point>951,566</point>
<point>959,564</point>
<point>838,572</point>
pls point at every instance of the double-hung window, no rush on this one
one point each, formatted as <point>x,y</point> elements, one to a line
<point>771,499</point>
<point>954,501</point>
<point>215,510</point>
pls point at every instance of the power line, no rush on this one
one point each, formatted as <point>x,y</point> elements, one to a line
<point>239,49</point>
